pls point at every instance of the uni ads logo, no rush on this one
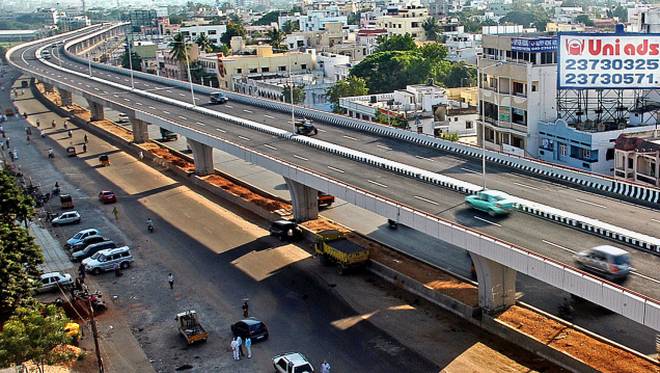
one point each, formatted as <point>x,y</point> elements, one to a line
<point>575,47</point>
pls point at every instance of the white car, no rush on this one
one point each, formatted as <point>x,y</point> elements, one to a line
<point>123,118</point>
<point>53,280</point>
<point>69,217</point>
<point>292,362</point>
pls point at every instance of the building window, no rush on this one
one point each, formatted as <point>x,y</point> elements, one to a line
<point>253,71</point>
<point>490,135</point>
<point>519,89</point>
<point>518,142</point>
<point>609,155</point>
<point>239,71</point>
<point>414,35</point>
<point>468,125</point>
<point>519,116</point>
<point>548,144</point>
<point>281,68</point>
<point>213,32</point>
<point>265,69</point>
<point>584,154</point>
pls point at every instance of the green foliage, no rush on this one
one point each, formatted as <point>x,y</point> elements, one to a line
<point>179,48</point>
<point>433,51</point>
<point>267,18</point>
<point>351,86</point>
<point>387,71</point>
<point>619,12</point>
<point>233,29</point>
<point>177,19</point>
<point>296,9</point>
<point>290,26</point>
<point>454,74</point>
<point>526,18</point>
<point>223,48</point>
<point>391,120</point>
<point>298,94</point>
<point>32,334</point>
<point>396,43</point>
<point>204,43</point>
<point>354,18</point>
<point>431,28</point>
<point>276,38</point>
<point>584,19</point>
<point>22,22</point>
<point>450,136</point>
<point>14,204</point>
<point>136,61</point>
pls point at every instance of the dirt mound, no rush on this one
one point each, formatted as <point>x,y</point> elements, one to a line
<point>247,194</point>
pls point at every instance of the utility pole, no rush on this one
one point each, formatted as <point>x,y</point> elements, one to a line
<point>95,334</point>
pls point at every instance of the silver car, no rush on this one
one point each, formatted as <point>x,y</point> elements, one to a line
<point>69,217</point>
<point>607,261</point>
<point>107,260</point>
<point>53,280</point>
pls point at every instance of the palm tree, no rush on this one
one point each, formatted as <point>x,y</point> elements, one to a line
<point>276,38</point>
<point>179,48</point>
<point>204,42</point>
<point>431,28</point>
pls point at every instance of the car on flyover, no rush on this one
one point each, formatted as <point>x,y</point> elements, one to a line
<point>218,98</point>
<point>492,202</point>
<point>607,261</point>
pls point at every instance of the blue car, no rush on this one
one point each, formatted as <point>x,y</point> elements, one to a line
<point>78,237</point>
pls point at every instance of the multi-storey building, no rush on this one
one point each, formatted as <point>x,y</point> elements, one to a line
<point>637,157</point>
<point>213,32</point>
<point>404,20</point>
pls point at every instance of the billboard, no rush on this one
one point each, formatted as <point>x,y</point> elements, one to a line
<point>534,45</point>
<point>610,61</point>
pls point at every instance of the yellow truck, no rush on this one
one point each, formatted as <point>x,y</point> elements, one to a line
<point>333,248</point>
<point>190,327</point>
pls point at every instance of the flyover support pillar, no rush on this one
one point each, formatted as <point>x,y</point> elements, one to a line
<point>203,156</point>
<point>304,200</point>
<point>96,110</point>
<point>497,284</point>
<point>66,96</point>
<point>140,130</point>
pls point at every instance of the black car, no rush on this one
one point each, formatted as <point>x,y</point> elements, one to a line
<point>87,241</point>
<point>90,250</point>
<point>252,328</point>
<point>285,230</point>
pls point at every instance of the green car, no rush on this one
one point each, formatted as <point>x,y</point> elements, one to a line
<point>493,202</point>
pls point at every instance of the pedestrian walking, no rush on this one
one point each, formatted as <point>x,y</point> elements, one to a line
<point>81,272</point>
<point>38,124</point>
<point>115,212</point>
<point>239,344</point>
<point>325,367</point>
<point>85,139</point>
<point>141,155</point>
<point>53,124</point>
<point>234,349</point>
<point>84,148</point>
<point>248,347</point>
<point>245,309</point>
<point>170,279</point>
<point>27,138</point>
<point>7,142</point>
<point>66,126</point>
<point>69,133</point>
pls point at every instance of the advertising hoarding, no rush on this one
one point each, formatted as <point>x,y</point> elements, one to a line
<point>609,61</point>
<point>534,45</point>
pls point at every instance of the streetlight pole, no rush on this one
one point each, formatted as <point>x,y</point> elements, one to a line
<point>192,90</point>
<point>130,60</point>
<point>89,64</point>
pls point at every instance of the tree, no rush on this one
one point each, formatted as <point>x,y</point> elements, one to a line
<point>276,38</point>
<point>233,29</point>
<point>290,26</point>
<point>434,51</point>
<point>453,74</point>
<point>354,18</point>
<point>387,71</point>
<point>396,43</point>
<point>222,48</point>
<point>179,48</point>
<point>204,42</point>
<point>526,18</point>
<point>431,28</point>
<point>298,94</point>
<point>619,12</point>
<point>351,86</point>
<point>268,18</point>
<point>296,9</point>
<point>584,19</point>
<point>136,61</point>
<point>33,334</point>
<point>14,204</point>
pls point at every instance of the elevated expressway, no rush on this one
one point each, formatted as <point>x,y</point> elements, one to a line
<point>500,247</point>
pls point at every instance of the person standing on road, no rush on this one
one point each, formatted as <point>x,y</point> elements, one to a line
<point>325,367</point>
<point>248,347</point>
<point>81,272</point>
<point>69,133</point>
<point>84,148</point>
<point>115,212</point>
<point>239,344</point>
<point>245,309</point>
<point>141,155</point>
<point>170,279</point>
<point>234,349</point>
<point>85,139</point>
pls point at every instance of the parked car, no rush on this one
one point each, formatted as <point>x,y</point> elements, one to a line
<point>90,250</point>
<point>52,280</point>
<point>292,362</point>
<point>107,196</point>
<point>492,202</point>
<point>252,328</point>
<point>122,118</point>
<point>608,261</point>
<point>218,98</point>
<point>86,242</point>
<point>107,260</point>
<point>285,230</point>
<point>78,237</point>
<point>69,217</point>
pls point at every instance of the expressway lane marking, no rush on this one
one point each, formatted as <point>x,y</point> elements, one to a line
<point>270,147</point>
<point>559,246</point>
<point>146,85</point>
<point>299,157</point>
<point>96,88</point>
<point>220,130</point>
<point>269,116</point>
<point>320,130</point>
<point>590,203</point>
<point>424,158</point>
<point>127,100</point>
<point>152,108</point>
<point>426,200</point>
<point>117,96</point>
<point>383,147</point>
<point>182,95</point>
<point>377,183</point>
<point>349,137</point>
<point>168,90</point>
<point>336,169</point>
<point>634,272</point>
<point>655,220</point>
<point>182,117</point>
<point>246,138</point>
<point>166,112</point>
<point>138,103</point>
<point>201,124</point>
<point>470,170</point>
<point>527,186</point>
<point>127,80</point>
<point>228,106</point>
<point>157,88</point>
<point>487,221</point>
<point>88,86</point>
<point>248,111</point>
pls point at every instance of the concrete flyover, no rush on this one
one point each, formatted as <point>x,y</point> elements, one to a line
<point>502,254</point>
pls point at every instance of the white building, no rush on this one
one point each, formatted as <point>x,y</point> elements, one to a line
<point>316,21</point>
<point>404,20</point>
<point>213,32</point>
<point>463,47</point>
<point>332,65</point>
<point>644,19</point>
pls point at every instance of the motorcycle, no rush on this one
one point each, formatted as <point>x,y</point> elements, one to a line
<point>150,228</point>
<point>392,224</point>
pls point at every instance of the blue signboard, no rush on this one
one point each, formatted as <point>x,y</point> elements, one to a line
<point>534,45</point>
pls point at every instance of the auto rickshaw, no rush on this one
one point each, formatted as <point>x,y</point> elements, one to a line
<point>71,151</point>
<point>66,201</point>
<point>104,160</point>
